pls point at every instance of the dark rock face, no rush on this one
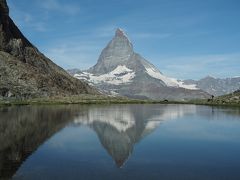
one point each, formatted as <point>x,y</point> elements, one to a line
<point>12,40</point>
<point>26,72</point>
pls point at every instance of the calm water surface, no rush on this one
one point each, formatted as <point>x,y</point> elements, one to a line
<point>120,142</point>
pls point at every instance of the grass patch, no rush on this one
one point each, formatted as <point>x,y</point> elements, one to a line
<point>101,99</point>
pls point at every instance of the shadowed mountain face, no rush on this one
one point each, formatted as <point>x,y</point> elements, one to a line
<point>119,70</point>
<point>24,129</point>
<point>26,72</point>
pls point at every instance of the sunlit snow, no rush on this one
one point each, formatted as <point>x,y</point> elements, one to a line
<point>120,75</point>
<point>168,81</point>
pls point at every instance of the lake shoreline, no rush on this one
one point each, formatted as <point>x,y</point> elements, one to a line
<point>96,99</point>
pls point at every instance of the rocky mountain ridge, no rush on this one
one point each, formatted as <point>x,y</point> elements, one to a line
<point>25,72</point>
<point>119,70</point>
<point>216,86</point>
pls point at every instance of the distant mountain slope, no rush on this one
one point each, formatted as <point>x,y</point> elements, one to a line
<point>25,72</point>
<point>119,70</point>
<point>217,86</point>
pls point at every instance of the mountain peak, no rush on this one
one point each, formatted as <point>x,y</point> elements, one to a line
<point>120,32</point>
<point>122,71</point>
<point>120,47</point>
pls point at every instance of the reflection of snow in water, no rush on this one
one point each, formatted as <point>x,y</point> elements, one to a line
<point>168,113</point>
<point>120,127</point>
<point>174,112</point>
<point>122,118</point>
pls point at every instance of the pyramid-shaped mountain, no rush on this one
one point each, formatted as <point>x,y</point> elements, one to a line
<point>26,72</point>
<point>119,70</point>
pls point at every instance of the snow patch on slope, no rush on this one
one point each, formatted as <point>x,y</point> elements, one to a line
<point>169,81</point>
<point>120,69</point>
<point>120,75</point>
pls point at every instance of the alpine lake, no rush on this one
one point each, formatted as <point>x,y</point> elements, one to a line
<point>135,141</point>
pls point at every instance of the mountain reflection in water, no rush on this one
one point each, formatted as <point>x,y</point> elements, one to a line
<point>23,129</point>
<point>119,127</point>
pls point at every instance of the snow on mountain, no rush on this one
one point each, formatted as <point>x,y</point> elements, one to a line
<point>120,70</point>
<point>123,75</point>
<point>120,75</point>
<point>171,82</point>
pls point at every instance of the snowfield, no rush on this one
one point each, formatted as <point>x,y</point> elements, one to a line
<point>120,75</point>
<point>171,82</point>
<point>123,75</point>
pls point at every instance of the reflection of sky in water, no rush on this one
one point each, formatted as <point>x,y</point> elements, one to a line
<point>147,141</point>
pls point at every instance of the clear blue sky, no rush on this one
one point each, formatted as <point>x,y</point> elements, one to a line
<point>183,38</point>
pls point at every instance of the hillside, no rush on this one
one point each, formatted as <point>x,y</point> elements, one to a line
<point>229,98</point>
<point>27,73</point>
